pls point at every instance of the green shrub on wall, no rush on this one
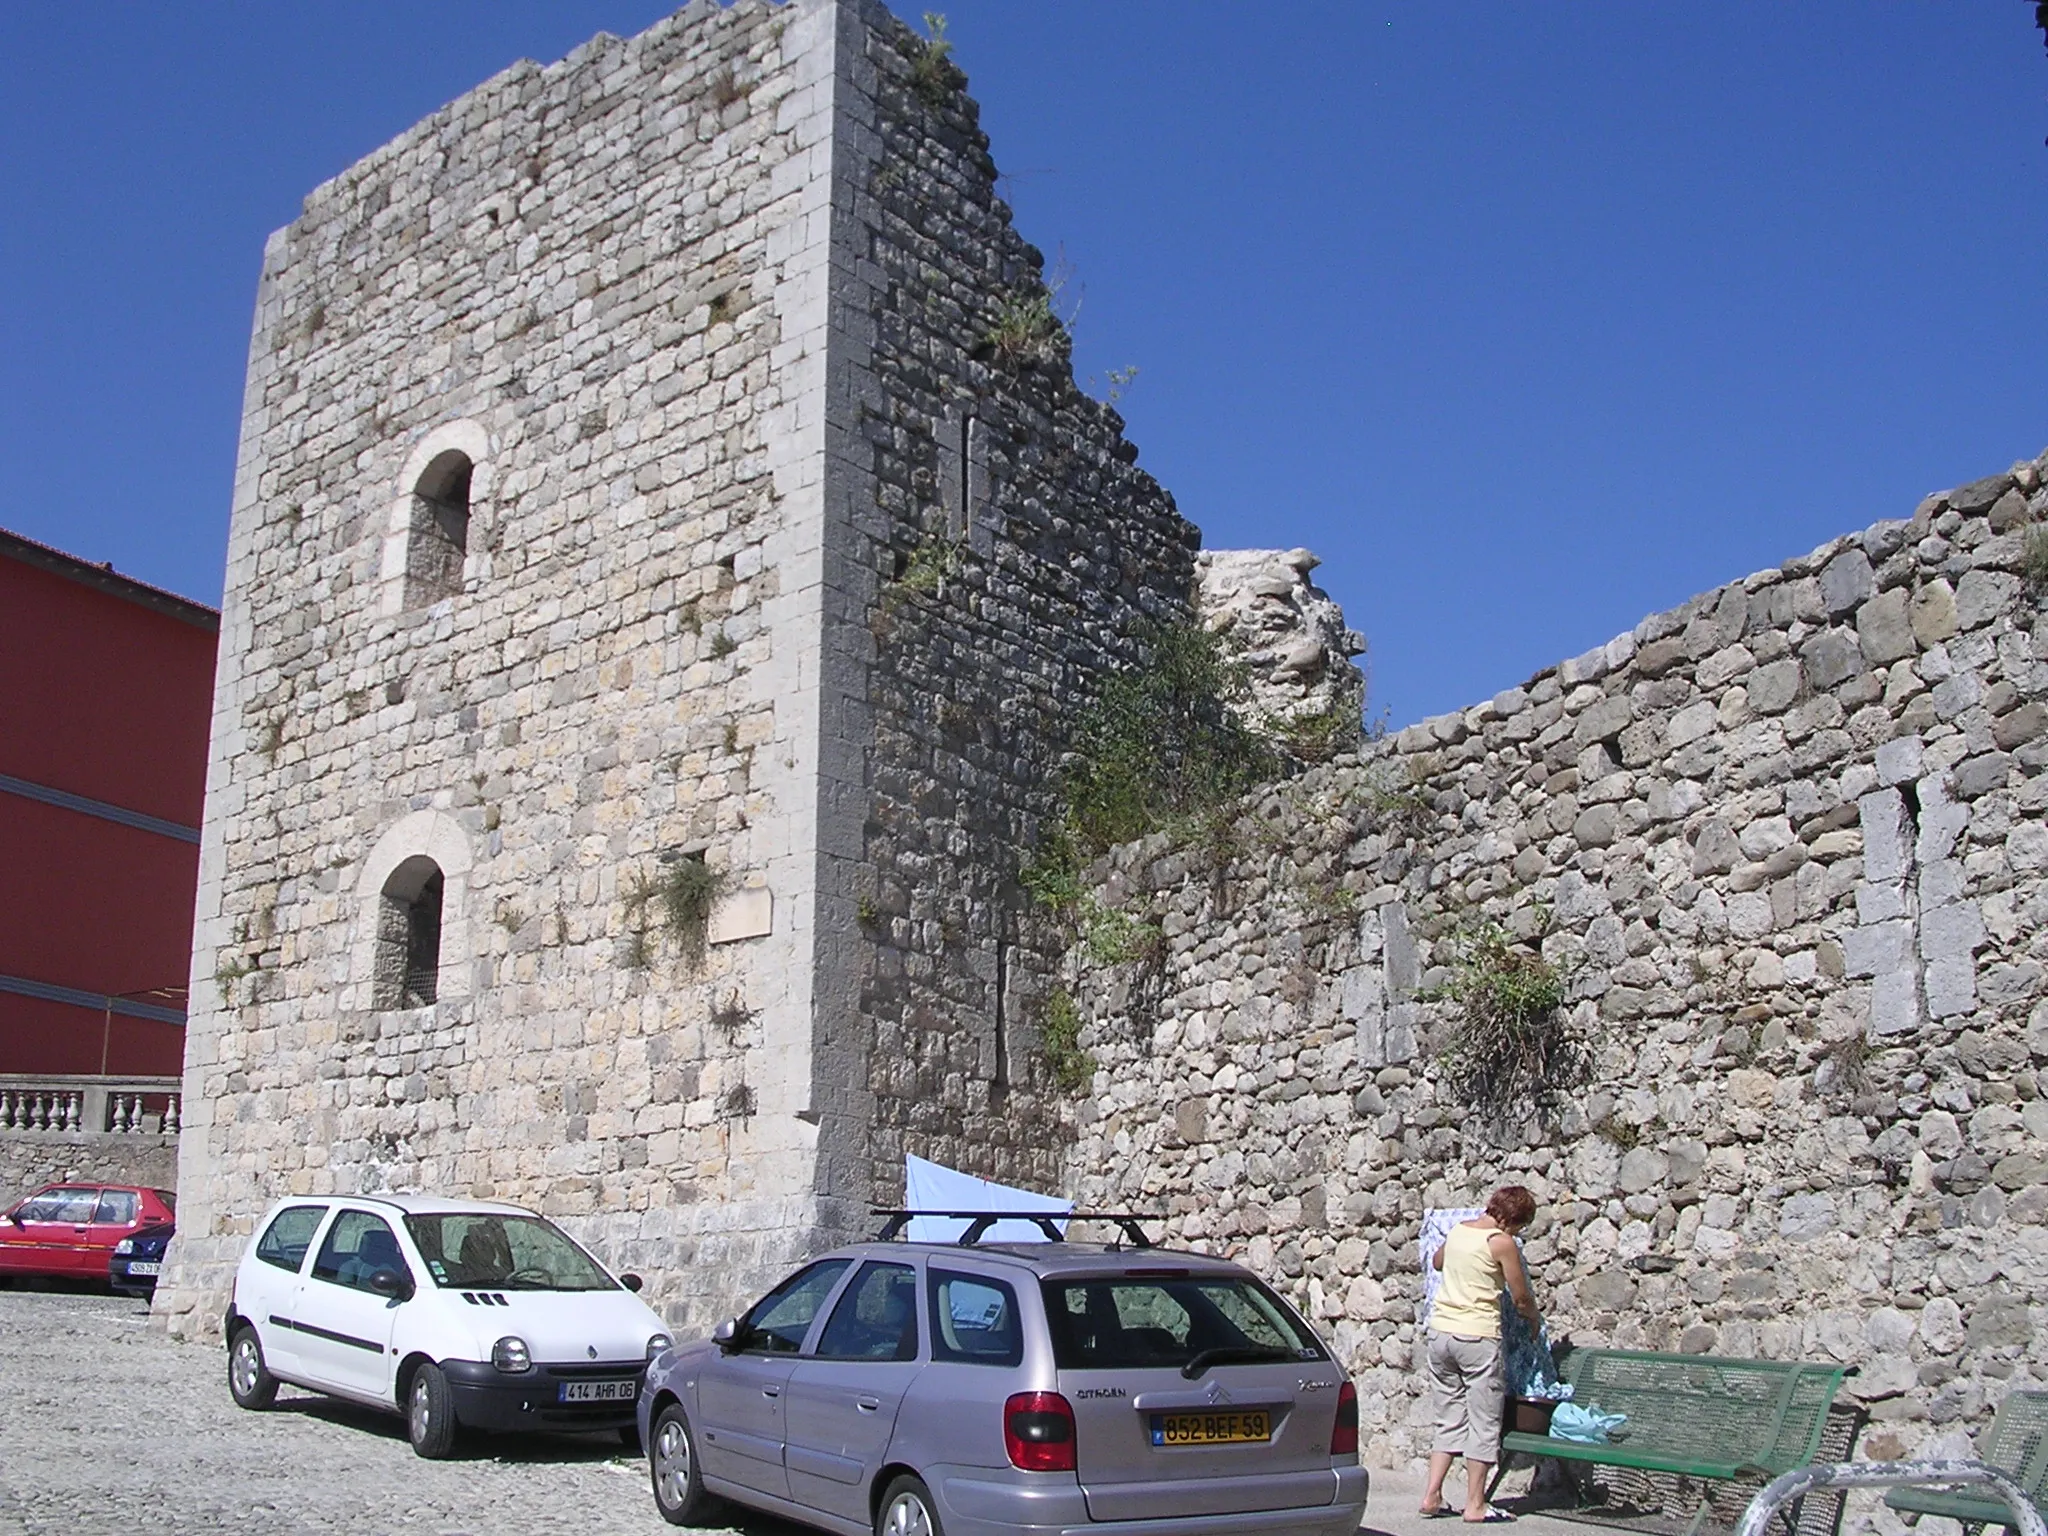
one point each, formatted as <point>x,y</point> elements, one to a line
<point>1511,1049</point>
<point>1164,742</point>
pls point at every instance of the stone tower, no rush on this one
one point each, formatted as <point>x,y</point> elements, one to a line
<point>668,551</point>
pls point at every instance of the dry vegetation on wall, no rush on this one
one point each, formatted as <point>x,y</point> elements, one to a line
<point>1166,752</point>
<point>1729,938</point>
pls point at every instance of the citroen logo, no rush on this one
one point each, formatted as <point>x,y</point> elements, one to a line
<point>1216,1394</point>
<point>591,1350</point>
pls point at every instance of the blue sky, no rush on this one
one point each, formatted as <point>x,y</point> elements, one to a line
<point>1530,319</point>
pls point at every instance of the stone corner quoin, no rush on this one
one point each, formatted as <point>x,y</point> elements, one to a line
<point>1785,847</point>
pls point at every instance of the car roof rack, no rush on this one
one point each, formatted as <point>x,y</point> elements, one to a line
<point>1048,1222</point>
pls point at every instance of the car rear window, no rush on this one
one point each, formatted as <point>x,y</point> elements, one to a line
<point>974,1320</point>
<point>1168,1320</point>
<point>118,1208</point>
<point>289,1235</point>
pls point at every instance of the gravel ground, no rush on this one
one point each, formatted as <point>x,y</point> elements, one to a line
<point>105,1426</point>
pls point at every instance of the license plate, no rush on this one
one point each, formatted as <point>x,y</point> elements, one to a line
<point>599,1391</point>
<point>144,1267</point>
<point>1250,1426</point>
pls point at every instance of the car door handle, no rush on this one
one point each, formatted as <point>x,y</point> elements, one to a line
<point>771,1391</point>
<point>868,1404</point>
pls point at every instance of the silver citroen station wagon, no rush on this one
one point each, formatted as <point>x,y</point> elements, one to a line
<point>1011,1389</point>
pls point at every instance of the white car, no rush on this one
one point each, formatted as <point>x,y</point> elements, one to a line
<point>455,1313</point>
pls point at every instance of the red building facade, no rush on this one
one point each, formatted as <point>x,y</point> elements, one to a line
<point>106,689</point>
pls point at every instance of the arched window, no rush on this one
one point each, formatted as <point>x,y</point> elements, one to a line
<point>437,540</point>
<point>408,968</point>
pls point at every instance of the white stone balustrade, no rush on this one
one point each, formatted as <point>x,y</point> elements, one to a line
<point>106,1106</point>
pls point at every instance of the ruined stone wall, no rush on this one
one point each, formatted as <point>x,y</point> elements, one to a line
<point>1786,845</point>
<point>1017,552</point>
<point>603,283</point>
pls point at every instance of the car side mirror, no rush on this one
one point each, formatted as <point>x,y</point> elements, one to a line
<point>389,1282</point>
<point>727,1335</point>
<point>632,1282</point>
<point>15,1217</point>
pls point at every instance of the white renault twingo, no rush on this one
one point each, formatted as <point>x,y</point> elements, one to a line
<point>454,1313</point>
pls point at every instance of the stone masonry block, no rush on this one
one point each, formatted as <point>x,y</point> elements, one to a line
<point>1879,949</point>
<point>1883,629</point>
<point>1887,835</point>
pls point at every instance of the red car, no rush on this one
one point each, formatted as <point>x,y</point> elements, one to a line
<point>68,1231</point>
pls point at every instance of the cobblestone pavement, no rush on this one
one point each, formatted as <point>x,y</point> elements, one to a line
<point>105,1426</point>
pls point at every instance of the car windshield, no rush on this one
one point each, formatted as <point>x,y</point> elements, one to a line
<point>484,1250</point>
<point>1139,1321</point>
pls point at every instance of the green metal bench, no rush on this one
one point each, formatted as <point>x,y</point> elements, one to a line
<point>2016,1444</point>
<point>1695,1415</point>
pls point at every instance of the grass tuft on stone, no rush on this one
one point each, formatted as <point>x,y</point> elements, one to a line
<point>685,892</point>
<point>1059,1032</point>
<point>1511,1050</point>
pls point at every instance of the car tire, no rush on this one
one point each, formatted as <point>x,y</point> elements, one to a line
<point>629,1437</point>
<point>430,1413</point>
<point>673,1468</point>
<point>907,1510</point>
<point>250,1383</point>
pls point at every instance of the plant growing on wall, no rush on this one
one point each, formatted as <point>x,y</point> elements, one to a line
<point>1510,1048</point>
<point>1059,1031</point>
<point>681,896</point>
<point>1164,743</point>
<point>2034,558</point>
<point>687,889</point>
<point>933,74</point>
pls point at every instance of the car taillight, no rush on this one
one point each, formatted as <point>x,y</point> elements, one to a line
<point>1344,1433</point>
<point>1038,1432</point>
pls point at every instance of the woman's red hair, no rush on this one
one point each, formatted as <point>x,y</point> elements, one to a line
<point>1511,1205</point>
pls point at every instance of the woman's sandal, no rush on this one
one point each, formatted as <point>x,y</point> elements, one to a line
<point>1493,1516</point>
<point>1441,1512</point>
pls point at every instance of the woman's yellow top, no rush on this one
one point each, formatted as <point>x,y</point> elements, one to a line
<point>1468,1300</point>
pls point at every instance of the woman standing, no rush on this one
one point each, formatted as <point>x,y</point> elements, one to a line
<point>1478,1258</point>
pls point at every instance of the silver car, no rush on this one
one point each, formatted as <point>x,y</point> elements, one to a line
<point>1024,1389</point>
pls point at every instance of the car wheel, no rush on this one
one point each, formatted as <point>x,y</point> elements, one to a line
<point>430,1413</point>
<point>672,1464</point>
<point>250,1383</point>
<point>629,1436</point>
<point>907,1510</point>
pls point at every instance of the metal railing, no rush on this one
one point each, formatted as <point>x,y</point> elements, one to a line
<point>100,1106</point>
<point>1796,1484</point>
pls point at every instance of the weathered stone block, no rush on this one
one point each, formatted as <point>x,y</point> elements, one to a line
<point>1774,687</point>
<point>1604,720</point>
<point>1887,835</point>
<point>1932,613</point>
<point>2020,726</point>
<point>1884,630</point>
<point>1830,659</point>
<point>1878,949</point>
<point>1846,582</point>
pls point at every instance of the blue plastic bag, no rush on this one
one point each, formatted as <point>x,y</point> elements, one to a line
<point>1585,1422</point>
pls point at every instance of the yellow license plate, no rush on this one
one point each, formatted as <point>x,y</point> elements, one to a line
<point>1250,1426</point>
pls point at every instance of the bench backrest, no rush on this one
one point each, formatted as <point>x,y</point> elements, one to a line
<point>2017,1441</point>
<point>1761,1413</point>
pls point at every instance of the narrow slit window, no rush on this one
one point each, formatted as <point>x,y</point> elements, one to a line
<point>437,542</point>
<point>408,973</point>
